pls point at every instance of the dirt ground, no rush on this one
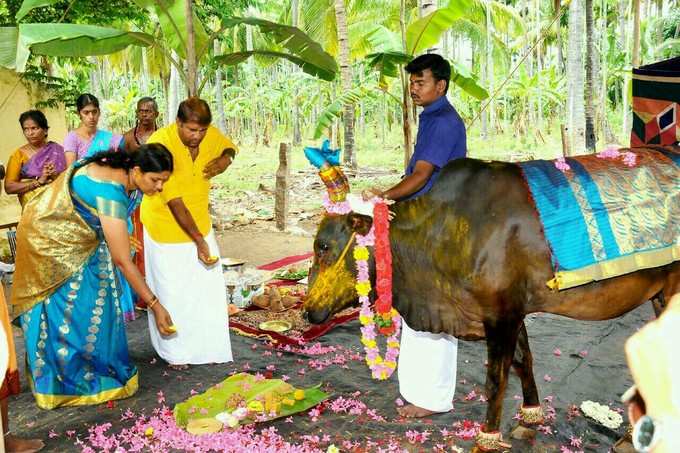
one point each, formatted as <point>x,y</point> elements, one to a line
<point>590,366</point>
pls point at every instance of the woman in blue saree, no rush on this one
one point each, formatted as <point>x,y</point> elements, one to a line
<point>66,294</point>
<point>86,141</point>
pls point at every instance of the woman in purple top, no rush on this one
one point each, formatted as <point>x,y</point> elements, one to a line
<point>86,140</point>
<point>36,163</point>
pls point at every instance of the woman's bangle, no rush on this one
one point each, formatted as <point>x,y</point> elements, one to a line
<point>152,302</point>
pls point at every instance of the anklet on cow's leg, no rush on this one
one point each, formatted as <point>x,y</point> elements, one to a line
<point>492,441</point>
<point>532,415</point>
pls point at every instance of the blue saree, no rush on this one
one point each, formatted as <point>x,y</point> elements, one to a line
<point>76,345</point>
<point>101,142</point>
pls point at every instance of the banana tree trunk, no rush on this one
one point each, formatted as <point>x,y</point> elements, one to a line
<point>589,86</point>
<point>406,95</point>
<point>192,79</point>
<point>349,157</point>
<point>575,76</point>
<point>219,95</point>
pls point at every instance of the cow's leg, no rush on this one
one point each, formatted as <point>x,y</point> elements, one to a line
<point>501,340</point>
<point>659,303</point>
<point>531,411</point>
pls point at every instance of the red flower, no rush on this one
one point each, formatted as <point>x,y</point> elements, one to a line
<point>387,330</point>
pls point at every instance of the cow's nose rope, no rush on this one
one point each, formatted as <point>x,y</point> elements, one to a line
<point>344,252</point>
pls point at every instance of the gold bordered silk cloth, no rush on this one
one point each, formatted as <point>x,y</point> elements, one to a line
<point>53,242</point>
<point>608,216</point>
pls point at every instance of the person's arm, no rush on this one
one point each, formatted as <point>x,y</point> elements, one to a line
<point>13,182</point>
<point>227,154</point>
<point>116,236</point>
<point>71,148</point>
<point>186,221</point>
<point>412,183</point>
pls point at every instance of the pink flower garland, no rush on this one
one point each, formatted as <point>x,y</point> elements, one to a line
<point>387,318</point>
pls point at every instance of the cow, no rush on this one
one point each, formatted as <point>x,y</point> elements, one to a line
<point>470,259</point>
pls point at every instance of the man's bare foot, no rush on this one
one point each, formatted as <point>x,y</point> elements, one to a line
<point>178,367</point>
<point>412,411</point>
<point>14,444</point>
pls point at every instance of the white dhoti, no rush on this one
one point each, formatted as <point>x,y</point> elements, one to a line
<point>196,299</point>
<point>427,369</point>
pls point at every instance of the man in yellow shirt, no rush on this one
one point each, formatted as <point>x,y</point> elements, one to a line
<point>180,250</point>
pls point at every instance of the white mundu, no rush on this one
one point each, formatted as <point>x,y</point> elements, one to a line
<point>427,369</point>
<point>196,299</point>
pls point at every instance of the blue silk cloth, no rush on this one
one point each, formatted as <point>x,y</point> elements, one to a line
<point>101,142</point>
<point>76,345</point>
<point>604,217</point>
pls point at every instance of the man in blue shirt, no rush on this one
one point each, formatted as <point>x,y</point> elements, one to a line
<point>427,362</point>
<point>441,132</point>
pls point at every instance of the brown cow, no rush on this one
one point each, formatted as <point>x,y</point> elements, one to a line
<point>470,259</point>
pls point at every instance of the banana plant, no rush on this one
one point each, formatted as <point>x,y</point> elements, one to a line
<point>182,34</point>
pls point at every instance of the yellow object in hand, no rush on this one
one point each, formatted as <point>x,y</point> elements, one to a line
<point>213,259</point>
<point>171,328</point>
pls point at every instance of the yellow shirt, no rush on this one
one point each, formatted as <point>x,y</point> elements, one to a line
<point>186,182</point>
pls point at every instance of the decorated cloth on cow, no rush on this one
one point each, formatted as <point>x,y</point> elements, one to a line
<point>656,104</point>
<point>605,216</point>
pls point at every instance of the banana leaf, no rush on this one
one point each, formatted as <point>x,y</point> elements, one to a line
<point>173,25</point>
<point>334,110</point>
<point>307,66</point>
<point>427,31</point>
<point>246,387</point>
<point>63,40</point>
<point>461,77</point>
<point>28,5</point>
<point>295,40</point>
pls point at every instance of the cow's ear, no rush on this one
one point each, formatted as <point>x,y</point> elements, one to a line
<point>359,223</point>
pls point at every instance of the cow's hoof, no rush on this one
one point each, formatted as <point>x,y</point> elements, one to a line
<point>490,442</point>
<point>523,433</point>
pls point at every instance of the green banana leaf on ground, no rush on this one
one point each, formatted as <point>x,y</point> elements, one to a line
<point>243,390</point>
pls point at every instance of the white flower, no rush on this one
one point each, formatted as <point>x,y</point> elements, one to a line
<point>602,414</point>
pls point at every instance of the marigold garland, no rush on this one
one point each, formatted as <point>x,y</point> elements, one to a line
<point>386,318</point>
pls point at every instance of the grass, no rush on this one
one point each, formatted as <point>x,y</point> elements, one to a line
<point>257,163</point>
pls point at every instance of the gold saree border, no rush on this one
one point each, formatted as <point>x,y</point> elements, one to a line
<point>615,267</point>
<point>48,256</point>
<point>53,401</point>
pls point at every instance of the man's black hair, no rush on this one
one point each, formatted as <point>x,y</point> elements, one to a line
<point>146,99</point>
<point>441,69</point>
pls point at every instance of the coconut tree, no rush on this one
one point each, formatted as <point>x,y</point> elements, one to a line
<point>589,84</point>
<point>575,76</point>
<point>346,77</point>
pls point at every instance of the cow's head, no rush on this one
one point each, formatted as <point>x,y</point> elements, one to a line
<point>333,274</point>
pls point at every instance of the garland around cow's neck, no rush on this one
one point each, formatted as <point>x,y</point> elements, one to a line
<point>386,318</point>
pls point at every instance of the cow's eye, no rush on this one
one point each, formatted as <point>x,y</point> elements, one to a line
<point>323,247</point>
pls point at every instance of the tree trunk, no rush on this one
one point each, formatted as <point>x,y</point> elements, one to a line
<point>346,78</point>
<point>635,61</point>
<point>589,86</point>
<point>575,76</point>
<point>406,95</point>
<point>558,31</point>
<point>174,90</point>
<point>192,79</point>
<point>219,95</point>
<point>297,134</point>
